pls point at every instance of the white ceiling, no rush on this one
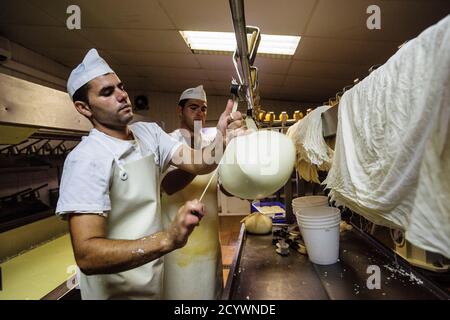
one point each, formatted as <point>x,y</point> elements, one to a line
<point>140,39</point>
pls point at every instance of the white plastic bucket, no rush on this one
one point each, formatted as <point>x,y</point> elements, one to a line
<point>322,222</point>
<point>322,243</point>
<point>319,212</point>
<point>301,203</point>
<point>310,201</point>
<point>319,227</point>
<point>321,216</point>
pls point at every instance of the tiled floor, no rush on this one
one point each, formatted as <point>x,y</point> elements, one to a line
<point>229,234</point>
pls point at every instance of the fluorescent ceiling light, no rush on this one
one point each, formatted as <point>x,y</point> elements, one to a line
<point>226,41</point>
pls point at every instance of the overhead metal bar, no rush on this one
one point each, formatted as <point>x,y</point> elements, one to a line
<point>240,30</point>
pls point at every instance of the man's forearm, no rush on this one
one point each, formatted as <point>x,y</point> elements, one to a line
<point>104,256</point>
<point>211,155</point>
<point>199,161</point>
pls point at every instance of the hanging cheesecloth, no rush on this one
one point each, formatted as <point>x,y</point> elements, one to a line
<point>392,153</point>
<point>312,152</point>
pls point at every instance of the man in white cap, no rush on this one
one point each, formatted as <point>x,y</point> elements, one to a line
<point>110,188</point>
<point>199,263</point>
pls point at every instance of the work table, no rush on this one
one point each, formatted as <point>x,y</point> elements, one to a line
<point>259,273</point>
<point>35,273</point>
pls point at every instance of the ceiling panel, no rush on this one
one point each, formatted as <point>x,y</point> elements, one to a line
<point>313,83</point>
<point>124,71</point>
<point>400,20</point>
<point>222,86</point>
<point>29,14</point>
<point>294,96</point>
<point>287,17</point>
<point>199,15</point>
<point>272,17</point>
<point>221,75</point>
<point>179,85</point>
<point>138,40</point>
<point>324,93</point>
<point>271,79</point>
<point>43,36</point>
<point>306,96</point>
<point>299,89</point>
<point>177,60</point>
<point>345,51</point>
<point>129,14</point>
<point>271,65</point>
<point>327,70</point>
<point>71,57</point>
<point>268,92</point>
<point>217,62</point>
<point>214,92</point>
<point>291,93</point>
<point>138,83</point>
<point>178,73</point>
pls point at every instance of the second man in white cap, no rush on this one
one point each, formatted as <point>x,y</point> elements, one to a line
<point>199,263</point>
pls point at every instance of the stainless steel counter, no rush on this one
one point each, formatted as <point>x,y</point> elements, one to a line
<point>259,273</point>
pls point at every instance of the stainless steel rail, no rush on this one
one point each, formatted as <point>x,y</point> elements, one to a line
<point>240,30</point>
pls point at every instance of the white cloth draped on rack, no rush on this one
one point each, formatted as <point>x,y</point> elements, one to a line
<point>392,153</point>
<point>313,153</point>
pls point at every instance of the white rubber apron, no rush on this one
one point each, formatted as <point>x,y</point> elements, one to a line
<point>135,213</point>
<point>194,271</point>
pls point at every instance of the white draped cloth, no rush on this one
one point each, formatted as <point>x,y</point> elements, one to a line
<point>312,152</point>
<point>392,155</point>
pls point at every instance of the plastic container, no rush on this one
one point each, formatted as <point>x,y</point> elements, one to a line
<point>318,221</point>
<point>322,243</point>
<point>318,213</point>
<point>318,216</point>
<point>320,231</point>
<point>310,201</point>
<point>277,217</point>
<point>301,203</point>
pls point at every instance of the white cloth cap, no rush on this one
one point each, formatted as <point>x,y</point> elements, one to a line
<point>90,68</point>
<point>194,93</point>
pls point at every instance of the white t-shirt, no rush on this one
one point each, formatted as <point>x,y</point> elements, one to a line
<point>207,136</point>
<point>88,169</point>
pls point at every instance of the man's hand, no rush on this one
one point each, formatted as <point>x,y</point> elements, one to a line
<point>231,124</point>
<point>186,220</point>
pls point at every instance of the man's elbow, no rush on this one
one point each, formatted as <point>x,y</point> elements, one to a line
<point>87,271</point>
<point>86,261</point>
<point>86,266</point>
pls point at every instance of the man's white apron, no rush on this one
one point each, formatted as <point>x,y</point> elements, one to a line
<point>135,213</point>
<point>194,271</point>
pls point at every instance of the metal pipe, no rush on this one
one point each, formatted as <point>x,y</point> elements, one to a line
<point>240,30</point>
